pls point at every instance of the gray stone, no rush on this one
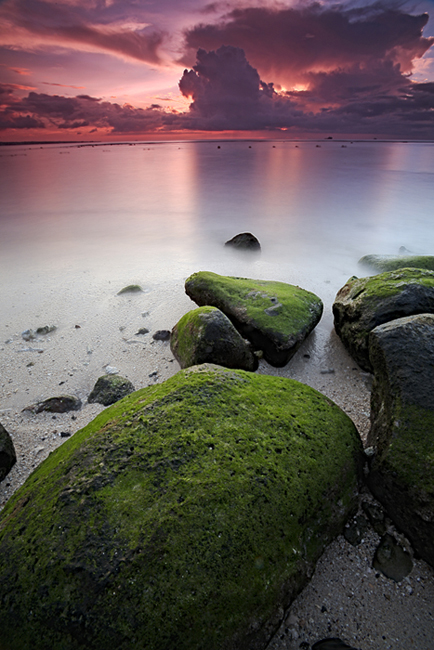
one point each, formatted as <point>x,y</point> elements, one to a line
<point>189,515</point>
<point>247,303</point>
<point>161,335</point>
<point>392,560</point>
<point>365,303</point>
<point>402,426</point>
<point>60,404</point>
<point>109,389</point>
<point>8,456</point>
<point>206,335</point>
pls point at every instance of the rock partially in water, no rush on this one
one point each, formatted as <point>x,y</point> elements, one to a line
<point>244,241</point>
<point>365,303</point>
<point>382,263</point>
<point>60,404</point>
<point>206,335</point>
<point>274,316</point>
<point>8,457</point>
<point>402,426</point>
<point>110,389</point>
<point>188,515</point>
<point>392,560</point>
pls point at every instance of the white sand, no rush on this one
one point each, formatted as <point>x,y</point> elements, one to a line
<point>365,611</point>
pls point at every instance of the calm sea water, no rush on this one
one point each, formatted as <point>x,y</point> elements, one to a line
<point>74,217</point>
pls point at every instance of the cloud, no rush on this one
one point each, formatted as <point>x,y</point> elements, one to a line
<point>83,26</point>
<point>288,44</point>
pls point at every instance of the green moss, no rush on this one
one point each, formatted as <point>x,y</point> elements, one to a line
<point>378,287</point>
<point>188,326</point>
<point>179,517</point>
<point>384,263</point>
<point>289,307</point>
<point>410,454</point>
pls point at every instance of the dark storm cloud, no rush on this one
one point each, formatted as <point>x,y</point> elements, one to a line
<point>82,25</point>
<point>59,112</point>
<point>285,44</point>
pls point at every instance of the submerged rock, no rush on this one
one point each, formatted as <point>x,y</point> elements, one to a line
<point>275,317</point>
<point>402,426</point>
<point>206,335</point>
<point>244,241</point>
<point>383,263</point>
<point>186,516</point>
<point>8,457</point>
<point>109,389</point>
<point>365,303</point>
<point>60,404</point>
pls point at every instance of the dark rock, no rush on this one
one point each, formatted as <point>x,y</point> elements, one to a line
<point>206,335</point>
<point>189,515</point>
<point>131,288</point>
<point>109,389</point>
<point>392,560</point>
<point>60,404</point>
<point>244,241</point>
<point>142,330</point>
<point>8,456</point>
<point>46,329</point>
<point>355,530</point>
<point>332,644</point>
<point>161,335</point>
<point>376,517</point>
<point>365,303</point>
<point>402,426</point>
<point>383,263</point>
<point>247,303</point>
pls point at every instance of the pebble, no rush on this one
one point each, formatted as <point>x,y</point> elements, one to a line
<point>111,370</point>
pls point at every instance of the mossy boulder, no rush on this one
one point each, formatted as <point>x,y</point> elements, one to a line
<point>274,316</point>
<point>186,516</point>
<point>364,303</point>
<point>109,389</point>
<point>8,456</point>
<point>206,335</point>
<point>382,263</point>
<point>402,426</point>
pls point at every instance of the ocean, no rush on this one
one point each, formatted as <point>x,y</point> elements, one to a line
<point>79,222</point>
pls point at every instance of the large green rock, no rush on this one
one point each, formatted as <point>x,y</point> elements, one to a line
<point>382,263</point>
<point>206,335</point>
<point>185,516</point>
<point>402,426</point>
<point>365,303</point>
<point>274,316</point>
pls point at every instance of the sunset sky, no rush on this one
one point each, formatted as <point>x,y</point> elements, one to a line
<point>176,69</point>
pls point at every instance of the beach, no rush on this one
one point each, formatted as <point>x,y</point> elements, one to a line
<point>96,333</point>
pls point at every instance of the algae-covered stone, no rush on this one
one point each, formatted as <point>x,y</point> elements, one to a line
<point>206,335</point>
<point>131,288</point>
<point>382,263</point>
<point>109,389</point>
<point>274,316</point>
<point>365,303</point>
<point>8,456</point>
<point>185,516</point>
<point>402,426</point>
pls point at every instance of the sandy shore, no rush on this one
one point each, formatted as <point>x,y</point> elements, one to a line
<point>346,597</point>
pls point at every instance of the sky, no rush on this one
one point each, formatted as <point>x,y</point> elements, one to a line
<point>182,69</point>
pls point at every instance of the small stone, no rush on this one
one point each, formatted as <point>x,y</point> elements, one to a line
<point>111,370</point>
<point>131,288</point>
<point>327,371</point>
<point>110,389</point>
<point>142,330</point>
<point>46,329</point>
<point>60,404</point>
<point>391,559</point>
<point>8,456</point>
<point>161,335</point>
<point>28,335</point>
